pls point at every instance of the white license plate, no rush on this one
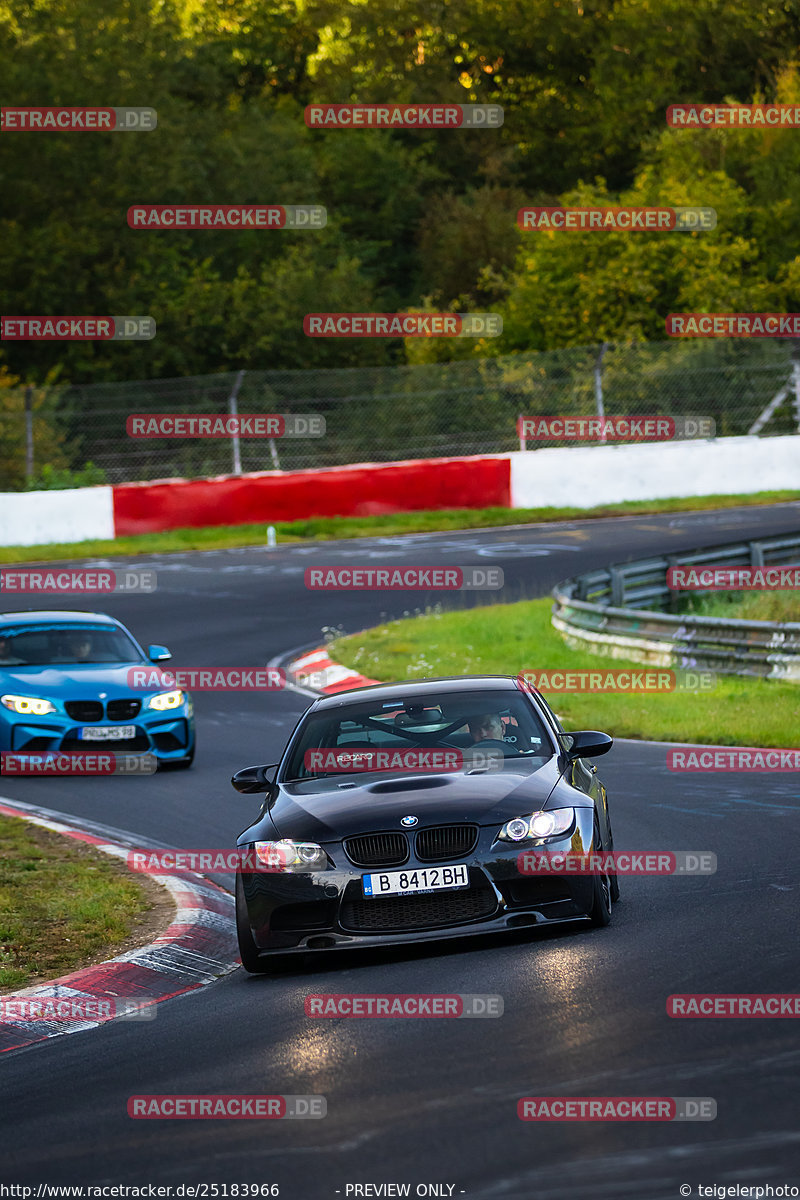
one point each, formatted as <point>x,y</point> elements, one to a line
<point>419,879</point>
<point>107,733</point>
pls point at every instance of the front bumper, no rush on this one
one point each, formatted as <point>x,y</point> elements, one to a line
<point>326,910</point>
<point>169,736</point>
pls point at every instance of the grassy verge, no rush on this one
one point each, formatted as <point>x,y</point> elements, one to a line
<point>63,905</point>
<point>320,529</point>
<point>506,639</point>
<point>746,606</point>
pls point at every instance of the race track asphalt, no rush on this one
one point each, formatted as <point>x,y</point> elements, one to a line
<point>434,1102</point>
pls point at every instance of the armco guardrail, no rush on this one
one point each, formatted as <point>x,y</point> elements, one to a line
<point>620,611</point>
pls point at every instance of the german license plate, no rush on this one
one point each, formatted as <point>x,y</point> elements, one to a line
<point>406,883</point>
<point>107,733</point>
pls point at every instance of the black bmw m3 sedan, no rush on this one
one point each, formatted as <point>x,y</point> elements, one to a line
<point>409,812</point>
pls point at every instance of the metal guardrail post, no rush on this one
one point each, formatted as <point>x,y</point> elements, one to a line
<point>233,409</point>
<point>28,433</point>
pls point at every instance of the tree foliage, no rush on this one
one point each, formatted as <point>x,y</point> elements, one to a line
<point>416,219</point>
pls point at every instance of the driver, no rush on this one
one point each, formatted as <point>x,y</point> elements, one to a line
<point>80,645</point>
<point>486,728</point>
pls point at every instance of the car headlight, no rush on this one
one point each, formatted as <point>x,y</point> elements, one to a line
<point>287,855</point>
<point>547,824</point>
<point>31,706</point>
<point>165,700</point>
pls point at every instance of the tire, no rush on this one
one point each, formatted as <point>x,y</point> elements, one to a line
<point>248,950</point>
<point>614,889</point>
<point>602,893</point>
<point>614,877</point>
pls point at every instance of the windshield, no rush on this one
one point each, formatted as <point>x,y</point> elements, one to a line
<point>64,644</point>
<point>451,731</point>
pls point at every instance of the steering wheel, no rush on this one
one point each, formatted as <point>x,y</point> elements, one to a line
<point>489,742</point>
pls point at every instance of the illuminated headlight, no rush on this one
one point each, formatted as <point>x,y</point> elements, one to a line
<point>539,825</point>
<point>31,706</point>
<point>287,855</point>
<point>165,700</point>
<point>516,830</point>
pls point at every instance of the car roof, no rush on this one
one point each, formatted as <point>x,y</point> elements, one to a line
<point>417,689</point>
<point>30,617</point>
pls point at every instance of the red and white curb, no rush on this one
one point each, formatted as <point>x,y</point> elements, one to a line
<point>197,947</point>
<point>318,672</point>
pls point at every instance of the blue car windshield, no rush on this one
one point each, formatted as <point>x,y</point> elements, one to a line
<point>64,644</point>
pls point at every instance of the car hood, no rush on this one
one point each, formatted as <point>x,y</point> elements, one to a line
<point>68,681</point>
<point>323,810</point>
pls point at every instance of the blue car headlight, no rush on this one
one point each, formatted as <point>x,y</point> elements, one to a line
<point>551,823</point>
<point>167,700</point>
<point>28,706</point>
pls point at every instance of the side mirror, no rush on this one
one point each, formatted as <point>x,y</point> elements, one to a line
<point>158,654</point>
<point>251,780</point>
<point>588,743</point>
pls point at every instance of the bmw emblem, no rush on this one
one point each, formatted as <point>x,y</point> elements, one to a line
<point>408,821</point>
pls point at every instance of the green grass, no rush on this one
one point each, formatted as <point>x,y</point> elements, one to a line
<point>62,903</point>
<point>746,606</point>
<point>223,537</point>
<point>506,639</point>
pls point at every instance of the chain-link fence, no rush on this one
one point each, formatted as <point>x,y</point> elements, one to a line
<point>383,414</point>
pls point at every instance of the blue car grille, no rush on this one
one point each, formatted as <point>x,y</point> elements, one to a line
<point>123,710</point>
<point>92,710</point>
<point>84,710</point>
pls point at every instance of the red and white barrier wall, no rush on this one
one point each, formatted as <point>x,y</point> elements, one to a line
<point>584,476</point>
<point>367,489</point>
<point>579,476</point>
